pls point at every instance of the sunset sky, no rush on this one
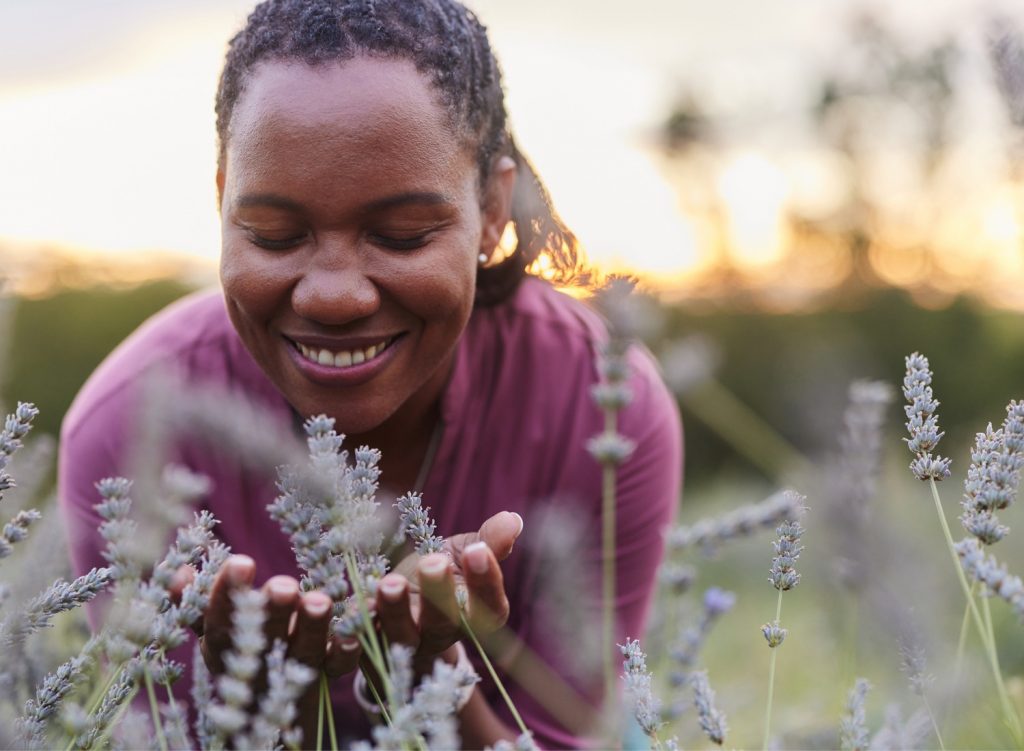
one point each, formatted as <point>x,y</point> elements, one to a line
<point>106,118</point>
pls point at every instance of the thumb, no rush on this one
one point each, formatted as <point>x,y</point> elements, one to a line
<point>500,532</point>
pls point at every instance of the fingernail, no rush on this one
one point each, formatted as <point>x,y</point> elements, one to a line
<point>392,588</point>
<point>521,523</point>
<point>241,569</point>
<point>316,605</point>
<point>433,565</point>
<point>349,645</point>
<point>476,557</point>
<point>282,589</point>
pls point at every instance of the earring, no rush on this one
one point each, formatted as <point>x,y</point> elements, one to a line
<point>483,258</point>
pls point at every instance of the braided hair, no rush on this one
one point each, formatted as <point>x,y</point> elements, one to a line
<point>448,44</point>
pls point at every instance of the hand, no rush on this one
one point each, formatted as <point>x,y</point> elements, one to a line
<point>300,619</point>
<point>416,603</point>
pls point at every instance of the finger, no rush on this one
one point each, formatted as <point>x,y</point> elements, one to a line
<point>342,656</point>
<point>236,573</point>
<point>499,532</point>
<point>439,612</point>
<point>487,608</point>
<point>282,599</point>
<point>394,609</point>
<point>308,640</point>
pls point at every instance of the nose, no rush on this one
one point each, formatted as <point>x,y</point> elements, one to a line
<point>335,288</point>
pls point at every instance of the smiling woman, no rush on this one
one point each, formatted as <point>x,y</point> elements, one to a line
<point>366,177</point>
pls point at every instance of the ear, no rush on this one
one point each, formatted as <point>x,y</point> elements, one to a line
<point>496,209</point>
<point>220,186</point>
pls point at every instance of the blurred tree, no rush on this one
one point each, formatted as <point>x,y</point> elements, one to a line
<point>58,340</point>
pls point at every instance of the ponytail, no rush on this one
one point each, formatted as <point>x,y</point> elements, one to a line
<point>539,232</point>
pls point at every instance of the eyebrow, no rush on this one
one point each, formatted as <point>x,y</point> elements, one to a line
<point>275,201</point>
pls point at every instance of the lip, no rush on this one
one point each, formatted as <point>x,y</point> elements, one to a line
<point>353,375</point>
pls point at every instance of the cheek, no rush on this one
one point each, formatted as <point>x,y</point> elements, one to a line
<point>251,285</point>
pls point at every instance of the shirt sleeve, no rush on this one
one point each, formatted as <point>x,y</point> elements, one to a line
<point>91,448</point>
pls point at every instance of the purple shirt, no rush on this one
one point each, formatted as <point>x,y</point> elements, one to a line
<point>516,414</point>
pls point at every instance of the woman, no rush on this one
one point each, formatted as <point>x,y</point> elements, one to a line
<point>366,178</point>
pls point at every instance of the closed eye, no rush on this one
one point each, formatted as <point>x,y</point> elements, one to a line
<point>268,243</point>
<point>392,242</point>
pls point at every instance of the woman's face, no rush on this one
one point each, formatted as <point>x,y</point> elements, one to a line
<point>352,222</point>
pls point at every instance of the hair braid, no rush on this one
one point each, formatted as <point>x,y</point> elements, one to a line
<point>448,44</point>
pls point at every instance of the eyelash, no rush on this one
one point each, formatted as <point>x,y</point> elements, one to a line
<point>391,243</point>
<point>268,244</point>
<point>401,243</point>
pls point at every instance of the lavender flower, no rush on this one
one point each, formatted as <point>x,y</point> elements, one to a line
<point>286,681</point>
<point>774,634</point>
<point>415,522</point>
<point>717,602</point>
<point>987,570</point>
<point>202,697</point>
<point>330,513</point>
<point>922,422</point>
<point>16,530</point>
<point>689,362</point>
<point>712,721</point>
<point>853,731</point>
<point>60,597</point>
<point>853,480</point>
<point>787,550</point>
<point>707,534</point>
<point>897,735</point>
<point>241,665</point>
<point>16,427</point>
<point>993,476</point>
<point>430,714</point>
<point>117,694</point>
<point>118,530</point>
<point>610,449</point>
<point>678,578</point>
<point>646,707</point>
<point>914,665</point>
<point>48,698</point>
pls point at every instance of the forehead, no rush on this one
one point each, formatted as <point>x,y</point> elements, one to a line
<point>369,109</point>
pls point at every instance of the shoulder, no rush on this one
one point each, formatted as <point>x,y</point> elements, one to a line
<point>192,335</point>
<point>533,360</point>
<point>538,323</point>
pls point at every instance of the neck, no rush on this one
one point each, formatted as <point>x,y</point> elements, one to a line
<point>404,438</point>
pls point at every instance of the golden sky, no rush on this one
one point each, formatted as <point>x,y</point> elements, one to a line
<point>106,120</point>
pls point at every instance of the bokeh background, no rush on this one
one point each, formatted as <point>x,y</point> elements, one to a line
<point>815,189</point>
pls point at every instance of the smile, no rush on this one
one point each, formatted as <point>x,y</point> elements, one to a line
<point>345,358</point>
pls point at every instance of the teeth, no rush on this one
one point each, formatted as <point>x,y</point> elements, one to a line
<point>344,358</point>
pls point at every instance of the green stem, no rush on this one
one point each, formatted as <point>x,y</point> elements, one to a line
<point>743,429</point>
<point>320,720</point>
<point>325,693</point>
<point>157,724</point>
<point>377,698</point>
<point>102,739</point>
<point>771,678</point>
<point>94,700</point>
<point>608,567</point>
<point>368,637</point>
<point>931,716</point>
<point>494,676</point>
<point>1009,714</point>
<point>960,648</point>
